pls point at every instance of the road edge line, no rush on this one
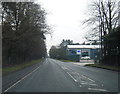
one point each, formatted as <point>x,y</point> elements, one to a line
<point>20,80</point>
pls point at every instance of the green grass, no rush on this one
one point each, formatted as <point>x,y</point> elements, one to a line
<point>8,70</point>
<point>67,61</point>
<point>115,68</point>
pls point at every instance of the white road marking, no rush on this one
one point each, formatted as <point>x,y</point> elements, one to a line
<point>93,84</point>
<point>77,73</point>
<point>64,68</point>
<point>20,80</point>
<point>97,89</point>
<point>72,77</point>
<point>80,85</point>
<point>88,78</point>
<point>84,83</point>
<point>83,76</point>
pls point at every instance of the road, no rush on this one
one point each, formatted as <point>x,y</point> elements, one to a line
<point>57,76</point>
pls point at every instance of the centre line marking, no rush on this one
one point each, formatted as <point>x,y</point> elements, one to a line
<point>72,77</point>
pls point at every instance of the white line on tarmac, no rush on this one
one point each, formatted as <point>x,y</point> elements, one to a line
<point>20,80</point>
<point>88,78</point>
<point>89,84</point>
<point>80,85</point>
<point>64,68</point>
<point>96,89</point>
<point>77,73</point>
<point>72,77</point>
<point>84,83</point>
<point>93,84</point>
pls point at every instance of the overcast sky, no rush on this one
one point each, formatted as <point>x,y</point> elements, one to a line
<point>65,17</point>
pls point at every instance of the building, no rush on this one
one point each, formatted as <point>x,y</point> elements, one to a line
<point>77,52</point>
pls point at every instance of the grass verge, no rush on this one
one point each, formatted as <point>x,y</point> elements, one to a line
<point>114,68</point>
<point>8,70</point>
<point>67,61</point>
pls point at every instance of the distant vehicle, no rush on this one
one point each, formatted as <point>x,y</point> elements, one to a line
<point>85,57</point>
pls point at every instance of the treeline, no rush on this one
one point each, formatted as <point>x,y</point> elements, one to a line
<point>60,52</point>
<point>23,32</point>
<point>111,50</point>
<point>104,21</point>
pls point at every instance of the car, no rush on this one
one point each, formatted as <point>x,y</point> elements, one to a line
<point>85,57</point>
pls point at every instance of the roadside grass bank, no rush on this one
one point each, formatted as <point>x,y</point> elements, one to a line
<point>14,68</point>
<point>66,60</point>
<point>114,68</point>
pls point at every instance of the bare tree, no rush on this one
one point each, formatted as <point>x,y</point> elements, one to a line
<point>103,20</point>
<point>103,14</point>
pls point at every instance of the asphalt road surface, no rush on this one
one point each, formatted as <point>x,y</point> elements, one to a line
<point>57,76</point>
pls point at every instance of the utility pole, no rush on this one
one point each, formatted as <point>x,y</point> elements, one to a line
<point>100,33</point>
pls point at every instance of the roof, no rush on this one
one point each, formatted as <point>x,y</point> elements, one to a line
<point>83,46</point>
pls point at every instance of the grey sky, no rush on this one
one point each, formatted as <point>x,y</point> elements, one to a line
<point>65,17</point>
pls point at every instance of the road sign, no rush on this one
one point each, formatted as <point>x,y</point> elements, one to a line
<point>78,52</point>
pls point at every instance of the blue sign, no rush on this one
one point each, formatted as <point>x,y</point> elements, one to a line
<point>78,52</point>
